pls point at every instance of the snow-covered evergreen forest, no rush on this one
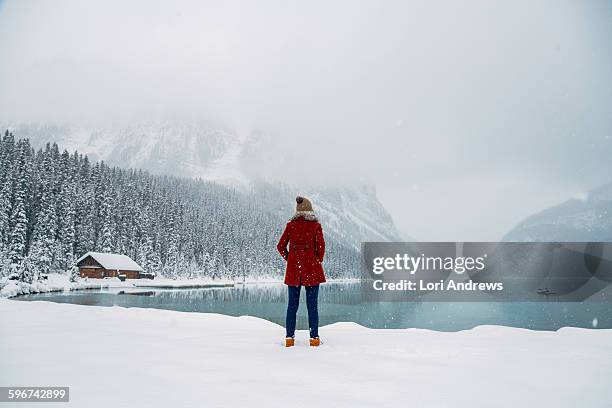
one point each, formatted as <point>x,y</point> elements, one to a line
<point>55,206</point>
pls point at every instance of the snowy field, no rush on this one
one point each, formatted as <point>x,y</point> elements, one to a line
<point>116,357</point>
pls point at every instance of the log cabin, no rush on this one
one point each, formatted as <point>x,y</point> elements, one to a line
<point>101,265</point>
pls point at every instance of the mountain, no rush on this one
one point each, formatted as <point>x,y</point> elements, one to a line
<point>195,149</point>
<point>351,215</point>
<point>355,214</point>
<point>213,152</point>
<point>585,218</point>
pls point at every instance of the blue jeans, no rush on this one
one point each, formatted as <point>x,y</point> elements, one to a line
<point>312,294</point>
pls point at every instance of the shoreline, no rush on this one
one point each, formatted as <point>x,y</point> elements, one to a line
<point>61,283</point>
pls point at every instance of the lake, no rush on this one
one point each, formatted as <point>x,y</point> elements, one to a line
<point>342,302</point>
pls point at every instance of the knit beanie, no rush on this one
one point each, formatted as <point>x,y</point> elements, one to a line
<point>303,204</point>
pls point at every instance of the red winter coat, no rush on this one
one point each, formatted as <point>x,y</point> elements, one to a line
<point>305,254</point>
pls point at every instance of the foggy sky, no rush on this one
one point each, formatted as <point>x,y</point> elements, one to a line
<point>468,116</point>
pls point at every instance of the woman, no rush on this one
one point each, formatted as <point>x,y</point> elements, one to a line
<point>304,236</point>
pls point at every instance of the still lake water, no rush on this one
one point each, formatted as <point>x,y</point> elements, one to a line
<point>342,302</point>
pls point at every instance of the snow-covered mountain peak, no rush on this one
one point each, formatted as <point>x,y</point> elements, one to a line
<point>585,217</point>
<point>195,149</point>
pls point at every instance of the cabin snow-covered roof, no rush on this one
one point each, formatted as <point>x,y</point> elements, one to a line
<point>113,262</point>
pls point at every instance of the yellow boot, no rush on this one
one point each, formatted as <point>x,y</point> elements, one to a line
<point>315,342</point>
<point>289,342</point>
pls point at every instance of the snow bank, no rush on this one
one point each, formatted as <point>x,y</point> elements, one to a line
<point>157,358</point>
<point>59,282</point>
<point>55,283</point>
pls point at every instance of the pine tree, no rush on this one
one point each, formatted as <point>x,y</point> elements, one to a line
<point>66,213</point>
<point>154,264</point>
<point>67,224</point>
<point>19,221</point>
<point>74,273</point>
<point>28,270</point>
<point>5,205</point>
<point>145,253</point>
<point>85,210</point>
<point>106,235</point>
<point>6,167</point>
<point>45,229</point>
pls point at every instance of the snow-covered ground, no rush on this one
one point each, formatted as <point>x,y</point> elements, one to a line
<point>54,283</point>
<point>155,358</point>
<point>60,282</point>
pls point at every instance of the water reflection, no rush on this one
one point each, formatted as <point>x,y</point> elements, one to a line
<point>342,302</point>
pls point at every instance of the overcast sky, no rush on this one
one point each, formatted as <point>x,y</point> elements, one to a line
<point>467,115</point>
